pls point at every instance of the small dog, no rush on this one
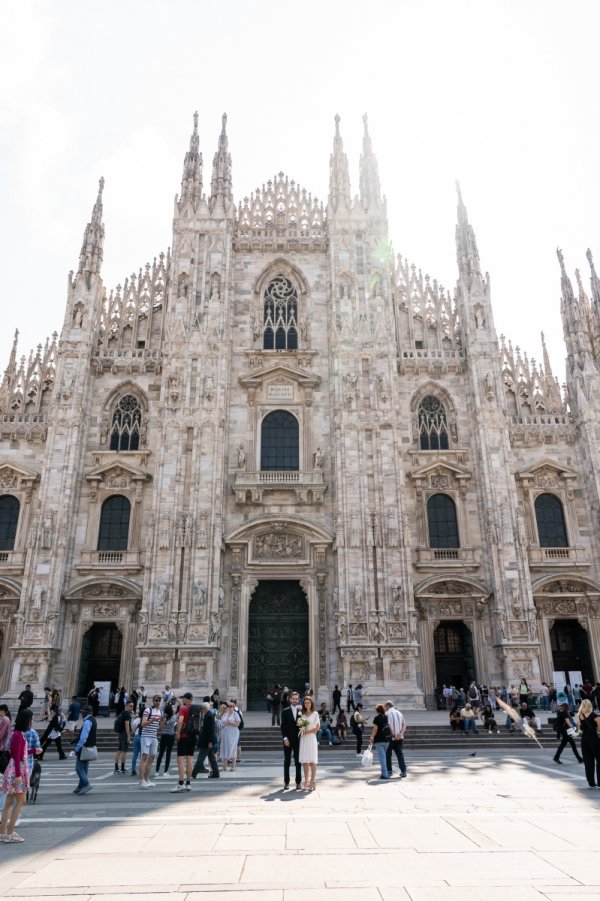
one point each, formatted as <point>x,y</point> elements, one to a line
<point>34,781</point>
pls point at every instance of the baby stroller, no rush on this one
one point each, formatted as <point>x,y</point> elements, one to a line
<point>34,781</point>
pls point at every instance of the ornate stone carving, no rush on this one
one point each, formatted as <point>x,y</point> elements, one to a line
<point>450,608</point>
<point>165,532</point>
<point>197,632</point>
<point>278,545</point>
<point>202,530</point>
<point>159,632</point>
<point>354,529</point>
<point>391,529</point>
<point>449,587</point>
<point>156,672</point>
<point>163,593</point>
<point>397,631</point>
<point>196,672</point>
<point>358,605</point>
<point>358,631</point>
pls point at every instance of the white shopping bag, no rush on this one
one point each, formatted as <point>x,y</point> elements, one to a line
<point>367,758</point>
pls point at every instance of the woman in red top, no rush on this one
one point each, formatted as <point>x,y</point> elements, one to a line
<point>5,724</point>
<point>16,778</point>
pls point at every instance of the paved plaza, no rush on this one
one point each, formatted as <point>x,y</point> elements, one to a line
<point>492,826</point>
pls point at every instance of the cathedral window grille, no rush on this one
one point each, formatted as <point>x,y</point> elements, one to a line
<point>9,518</point>
<point>280,320</point>
<point>114,524</point>
<point>550,519</point>
<point>280,444</point>
<point>442,522</point>
<point>433,425</point>
<point>126,422</point>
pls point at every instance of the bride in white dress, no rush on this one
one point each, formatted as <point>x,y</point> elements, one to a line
<point>309,748</point>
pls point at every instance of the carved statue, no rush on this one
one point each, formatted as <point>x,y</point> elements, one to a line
<point>215,628</point>
<point>188,528</point>
<point>241,457</point>
<point>358,601</point>
<point>221,599</point>
<point>47,531</point>
<point>488,387</point>
<point>199,595</point>
<point>501,619</point>
<point>340,626</point>
<point>165,532</point>
<point>36,596</point>
<point>397,601</point>
<point>384,387</point>
<point>318,459</point>
<point>163,599</point>
<point>209,387</point>
<point>179,533</point>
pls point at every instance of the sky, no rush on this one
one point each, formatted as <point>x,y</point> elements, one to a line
<point>502,96</point>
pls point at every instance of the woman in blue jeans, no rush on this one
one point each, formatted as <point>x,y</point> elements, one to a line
<point>380,737</point>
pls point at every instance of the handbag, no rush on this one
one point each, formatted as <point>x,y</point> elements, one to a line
<point>88,752</point>
<point>572,732</point>
<point>367,758</point>
<point>4,757</point>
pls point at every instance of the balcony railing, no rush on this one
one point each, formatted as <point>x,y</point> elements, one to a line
<point>307,486</point>
<point>12,562</point>
<point>454,558</point>
<point>120,560</point>
<point>557,557</point>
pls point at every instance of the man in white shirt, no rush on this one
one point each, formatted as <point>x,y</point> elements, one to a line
<point>397,725</point>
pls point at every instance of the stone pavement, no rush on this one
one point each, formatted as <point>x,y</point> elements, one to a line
<point>493,826</point>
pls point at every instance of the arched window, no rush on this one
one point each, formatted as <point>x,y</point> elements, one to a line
<point>280,322</point>
<point>279,446</point>
<point>126,422</point>
<point>441,519</point>
<point>9,518</point>
<point>550,518</point>
<point>433,425</point>
<point>114,524</point>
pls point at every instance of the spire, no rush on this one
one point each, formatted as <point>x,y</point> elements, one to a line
<point>11,369</point>
<point>191,180</point>
<point>90,258</point>
<point>339,177</point>
<point>221,177</point>
<point>547,366</point>
<point>370,189</point>
<point>574,312</point>
<point>467,254</point>
<point>594,278</point>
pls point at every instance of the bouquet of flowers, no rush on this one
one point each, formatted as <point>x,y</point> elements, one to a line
<point>301,723</point>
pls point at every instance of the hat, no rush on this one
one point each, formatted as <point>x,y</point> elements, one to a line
<point>86,708</point>
<point>188,696</point>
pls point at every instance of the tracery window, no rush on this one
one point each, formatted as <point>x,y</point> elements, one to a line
<point>550,518</point>
<point>433,424</point>
<point>126,423</point>
<point>114,524</point>
<point>279,446</point>
<point>9,518</point>
<point>442,521</point>
<point>280,321</point>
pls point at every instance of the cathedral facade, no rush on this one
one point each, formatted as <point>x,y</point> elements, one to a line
<point>278,454</point>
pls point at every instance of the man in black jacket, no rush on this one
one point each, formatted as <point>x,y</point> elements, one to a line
<point>207,741</point>
<point>26,698</point>
<point>291,740</point>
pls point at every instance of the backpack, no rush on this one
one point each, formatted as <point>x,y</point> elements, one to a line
<point>61,723</point>
<point>194,721</point>
<point>241,726</point>
<point>276,697</point>
<point>556,725</point>
<point>386,733</point>
<point>118,723</point>
<point>473,693</point>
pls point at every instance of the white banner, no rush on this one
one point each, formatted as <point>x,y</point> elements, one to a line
<point>104,693</point>
<point>559,680</point>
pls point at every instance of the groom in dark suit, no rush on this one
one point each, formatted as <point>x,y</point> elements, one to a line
<point>291,740</point>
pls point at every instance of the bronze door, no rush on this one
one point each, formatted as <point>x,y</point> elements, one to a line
<point>277,640</point>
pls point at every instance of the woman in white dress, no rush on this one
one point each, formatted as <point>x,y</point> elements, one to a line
<point>309,749</point>
<point>230,736</point>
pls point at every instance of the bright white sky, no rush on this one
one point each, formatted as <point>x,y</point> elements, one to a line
<point>503,96</point>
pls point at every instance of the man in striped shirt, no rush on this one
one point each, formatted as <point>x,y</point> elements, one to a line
<point>151,718</point>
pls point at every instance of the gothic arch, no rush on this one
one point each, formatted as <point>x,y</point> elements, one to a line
<point>314,532</point>
<point>438,585</point>
<point>132,591</point>
<point>436,390</point>
<point>126,387</point>
<point>10,590</point>
<point>281,266</point>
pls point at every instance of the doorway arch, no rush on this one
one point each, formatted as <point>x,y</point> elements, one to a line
<point>100,657</point>
<point>278,645</point>
<point>454,656</point>
<point>571,649</point>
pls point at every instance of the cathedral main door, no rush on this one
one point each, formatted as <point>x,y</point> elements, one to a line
<point>100,657</point>
<point>277,640</point>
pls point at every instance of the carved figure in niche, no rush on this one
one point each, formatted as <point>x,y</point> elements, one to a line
<point>209,387</point>
<point>173,387</point>
<point>221,599</point>
<point>391,529</point>
<point>412,624</point>
<point>354,535</point>
<point>202,533</point>
<point>501,620</point>
<point>378,628</point>
<point>318,459</point>
<point>19,621</point>
<point>397,601</point>
<point>507,533</point>
<point>406,533</point>
<point>179,533</point>
<point>304,333</point>
<point>78,315</point>
<point>215,289</point>
<point>165,532</point>
<point>256,328</point>
<point>358,601</point>
<point>142,627</point>
<point>479,317</point>
<point>532,624</point>
<point>339,530</point>
<point>241,457</point>
<point>188,528</point>
<point>199,595</point>
<point>335,598</point>
<point>215,628</point>
<point>163,599</point>
<point>36,596</point>
<point>47,531</point>
<point>384,387</point>
<point>340,626</point>
<point>488,387</point>
<point>493,531</point>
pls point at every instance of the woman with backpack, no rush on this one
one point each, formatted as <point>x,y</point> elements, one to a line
<point>53,732</point>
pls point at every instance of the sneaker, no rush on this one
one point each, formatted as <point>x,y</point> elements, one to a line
<point>403,775</point>
<point>144,784</point>
<point>85,790</point>
<point>177,788</point>
<point>158,775</point>
<point>150,784</point>
<point>489,731</point>
<point>133,773</point>
<point>188,787</point>
<point>218,776</point>
<point>167,775</point>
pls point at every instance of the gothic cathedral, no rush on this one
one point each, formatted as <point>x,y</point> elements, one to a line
<point>278,454</point>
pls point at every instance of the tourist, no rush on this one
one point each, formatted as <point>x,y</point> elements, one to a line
<point>123,723</point>
<point>5,724</point>
<point>87,739</point>
<point>142,700</point>
<point>565,729</point>
<point>492,698</point>
<point>357,724</point>
<point>350,705</point>
<point>46,711</point>
<point>528,717</point>
<point>357,695</point>
<point>215,699</point>
<point>455,719</point>
<point>230,736</point>
<point>207,743</point>
<point>589,724</point>
<point>576,696</point>
<point>240,729</point>
<point>489,721</point>
<point>462,698</point>
<point>73,714</point>
<point>285,698</point>
<point>325,729</point>
<point>276,705</point>
<point>53,732</point>
<point>151,718</point>
<point>120,700</point>
<point>380,738</point>
<point>167,739</point>
<point>291,740</point>
<point>136,744</point>
<point>26,698</point>
<point>544,697</point>
<point>94,700</point>
<point>168,696</point>
<point>474,696</point>
<point>468,719</point>
<point>397,724</point>
<point>341,725</point>
<point>15,783</point>
<point>523,691</point>
<point>570,699</point>
<point>309,749</point>
<point>186,743</point>
<point>336,698</point>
